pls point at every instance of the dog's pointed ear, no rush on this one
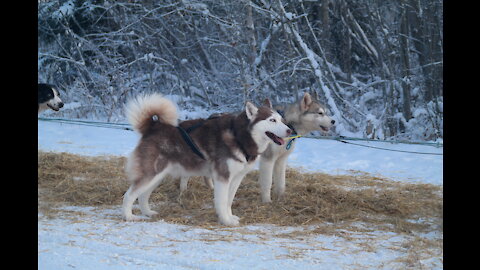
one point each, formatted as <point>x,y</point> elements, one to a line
<point>251,110</point>
<point>267,103</point>
<point>305,102</point>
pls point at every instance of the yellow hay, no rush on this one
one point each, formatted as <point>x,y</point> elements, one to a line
<point>311,198</point>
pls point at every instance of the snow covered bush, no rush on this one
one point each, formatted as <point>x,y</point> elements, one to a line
<point>377,65</point>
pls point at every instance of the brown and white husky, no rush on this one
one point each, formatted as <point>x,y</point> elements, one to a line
<point>226,149</point>
<point>302,117</point>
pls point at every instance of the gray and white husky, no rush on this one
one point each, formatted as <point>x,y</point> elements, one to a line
<point>228,146</point>
<point>302,117</point>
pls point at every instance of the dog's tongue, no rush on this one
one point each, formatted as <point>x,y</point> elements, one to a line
<point>279,141</point>
<point>275,138</point>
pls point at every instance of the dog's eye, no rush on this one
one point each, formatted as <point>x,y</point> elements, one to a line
<point>321,113</point>
<point>273,120</point>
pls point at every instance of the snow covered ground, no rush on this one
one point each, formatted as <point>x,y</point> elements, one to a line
<point>92,238</point>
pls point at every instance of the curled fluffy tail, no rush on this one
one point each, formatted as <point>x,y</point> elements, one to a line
<point>141,110</point>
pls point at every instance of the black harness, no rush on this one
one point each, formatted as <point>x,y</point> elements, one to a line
<point>186,137</point>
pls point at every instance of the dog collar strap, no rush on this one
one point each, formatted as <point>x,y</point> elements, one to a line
<point>291,139</point>
<point>289,144</point>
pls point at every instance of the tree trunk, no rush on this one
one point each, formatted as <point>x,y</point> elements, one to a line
<point>404,51</point>
<point>252,41</point>
<point>325,34</point>
<point>251,52</point>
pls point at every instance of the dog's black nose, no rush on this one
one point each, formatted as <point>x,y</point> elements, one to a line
<point>333,122</point>
<point>60,105</point>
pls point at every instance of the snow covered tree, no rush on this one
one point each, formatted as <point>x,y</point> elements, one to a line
<point>377,65</point>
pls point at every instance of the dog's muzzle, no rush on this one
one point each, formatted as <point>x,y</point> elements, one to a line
<point>277,139</point>
<point>57,107</point>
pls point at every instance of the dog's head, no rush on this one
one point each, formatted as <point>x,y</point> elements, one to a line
<point>310,115</point>
<point>49,97</point>
<point>266,124</point>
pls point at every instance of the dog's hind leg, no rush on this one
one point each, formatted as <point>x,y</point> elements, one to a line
<point>128,200</point>
<point>265,178</point>
<point>143,198</point>
<point>184,183</point>
<point>139,188</point>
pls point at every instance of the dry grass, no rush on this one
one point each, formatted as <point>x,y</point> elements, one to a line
<point>311,198</point>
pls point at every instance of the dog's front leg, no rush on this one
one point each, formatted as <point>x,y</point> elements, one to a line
<point>208,181</point>
<point>236,181</point>
<point>279,176</point>
<point>265,178</point>
<point>221,201</point>
<point>183,183</point>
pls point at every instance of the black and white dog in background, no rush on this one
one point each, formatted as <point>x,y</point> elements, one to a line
<point>48,97</point>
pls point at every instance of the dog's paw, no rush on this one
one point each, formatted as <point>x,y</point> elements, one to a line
<point>233,222</point>
<point>230,221</point>
<point>133,218</point>
<point>266,200</point>
<point>150,213</point>
<point>279,193</point>
<point>235,218</point>
<point>279,198</point>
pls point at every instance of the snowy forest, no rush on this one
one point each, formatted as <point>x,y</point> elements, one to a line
<point>377,65</point>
